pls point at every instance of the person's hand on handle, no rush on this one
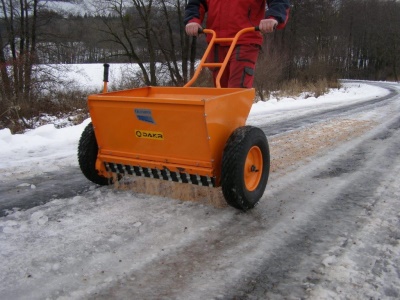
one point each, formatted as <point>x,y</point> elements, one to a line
<point>268,25</point>
<point>192,29</point>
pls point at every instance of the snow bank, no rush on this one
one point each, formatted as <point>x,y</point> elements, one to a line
<point>45,148</point>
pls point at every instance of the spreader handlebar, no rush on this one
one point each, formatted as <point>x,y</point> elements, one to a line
<point>248,29</point>
<point>215,40</point>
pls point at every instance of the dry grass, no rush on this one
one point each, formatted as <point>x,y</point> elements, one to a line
<point>205,79</point>
<point>294,88</point>
<point>28,114</point>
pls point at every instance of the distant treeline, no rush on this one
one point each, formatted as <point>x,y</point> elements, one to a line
<point>324,40</point>
<point>352,38</point>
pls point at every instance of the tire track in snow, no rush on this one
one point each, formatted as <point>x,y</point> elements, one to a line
<point>300,265</point>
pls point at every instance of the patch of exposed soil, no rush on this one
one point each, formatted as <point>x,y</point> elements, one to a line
<point>288,151</point>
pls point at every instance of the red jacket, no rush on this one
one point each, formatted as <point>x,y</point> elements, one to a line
<point>227,17</point>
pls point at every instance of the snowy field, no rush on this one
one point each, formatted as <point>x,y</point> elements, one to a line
<point>73,248</point>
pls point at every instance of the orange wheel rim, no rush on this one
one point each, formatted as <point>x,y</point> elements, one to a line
<point>253,168</point>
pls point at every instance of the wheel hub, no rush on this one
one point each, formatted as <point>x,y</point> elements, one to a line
<point>253,165</point>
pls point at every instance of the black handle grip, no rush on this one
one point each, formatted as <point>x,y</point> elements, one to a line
<point>257,28</point>
<point>105,76</point>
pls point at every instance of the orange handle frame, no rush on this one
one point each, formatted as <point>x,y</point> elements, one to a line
<point>222,65</point>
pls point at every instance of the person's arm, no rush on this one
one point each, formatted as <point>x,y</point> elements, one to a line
<point>276,16</point>
<point>194,15</point>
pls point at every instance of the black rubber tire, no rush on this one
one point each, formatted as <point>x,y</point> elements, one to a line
<point>233,162</point>
<point>87,155</point>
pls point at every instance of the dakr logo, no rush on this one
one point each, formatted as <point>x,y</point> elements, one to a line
<point>144,134</point>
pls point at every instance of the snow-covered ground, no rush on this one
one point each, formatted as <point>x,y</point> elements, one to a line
<point>72,248</point>
<point>47,148</point>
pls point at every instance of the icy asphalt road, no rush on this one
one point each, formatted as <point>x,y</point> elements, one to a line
<point>327,227</point>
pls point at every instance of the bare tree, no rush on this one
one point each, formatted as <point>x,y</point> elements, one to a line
<point>128,24</point>
<point>19,21</point>
<point>151,33</point>
<point>18,53</point>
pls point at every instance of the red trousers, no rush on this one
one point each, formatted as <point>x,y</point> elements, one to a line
<point>239,72</point>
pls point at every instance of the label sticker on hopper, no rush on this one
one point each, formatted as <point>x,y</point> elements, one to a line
<point>144,134</point>
<point>144,115</point>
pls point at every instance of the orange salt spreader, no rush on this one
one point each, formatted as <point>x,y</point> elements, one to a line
<point>182,134</point>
